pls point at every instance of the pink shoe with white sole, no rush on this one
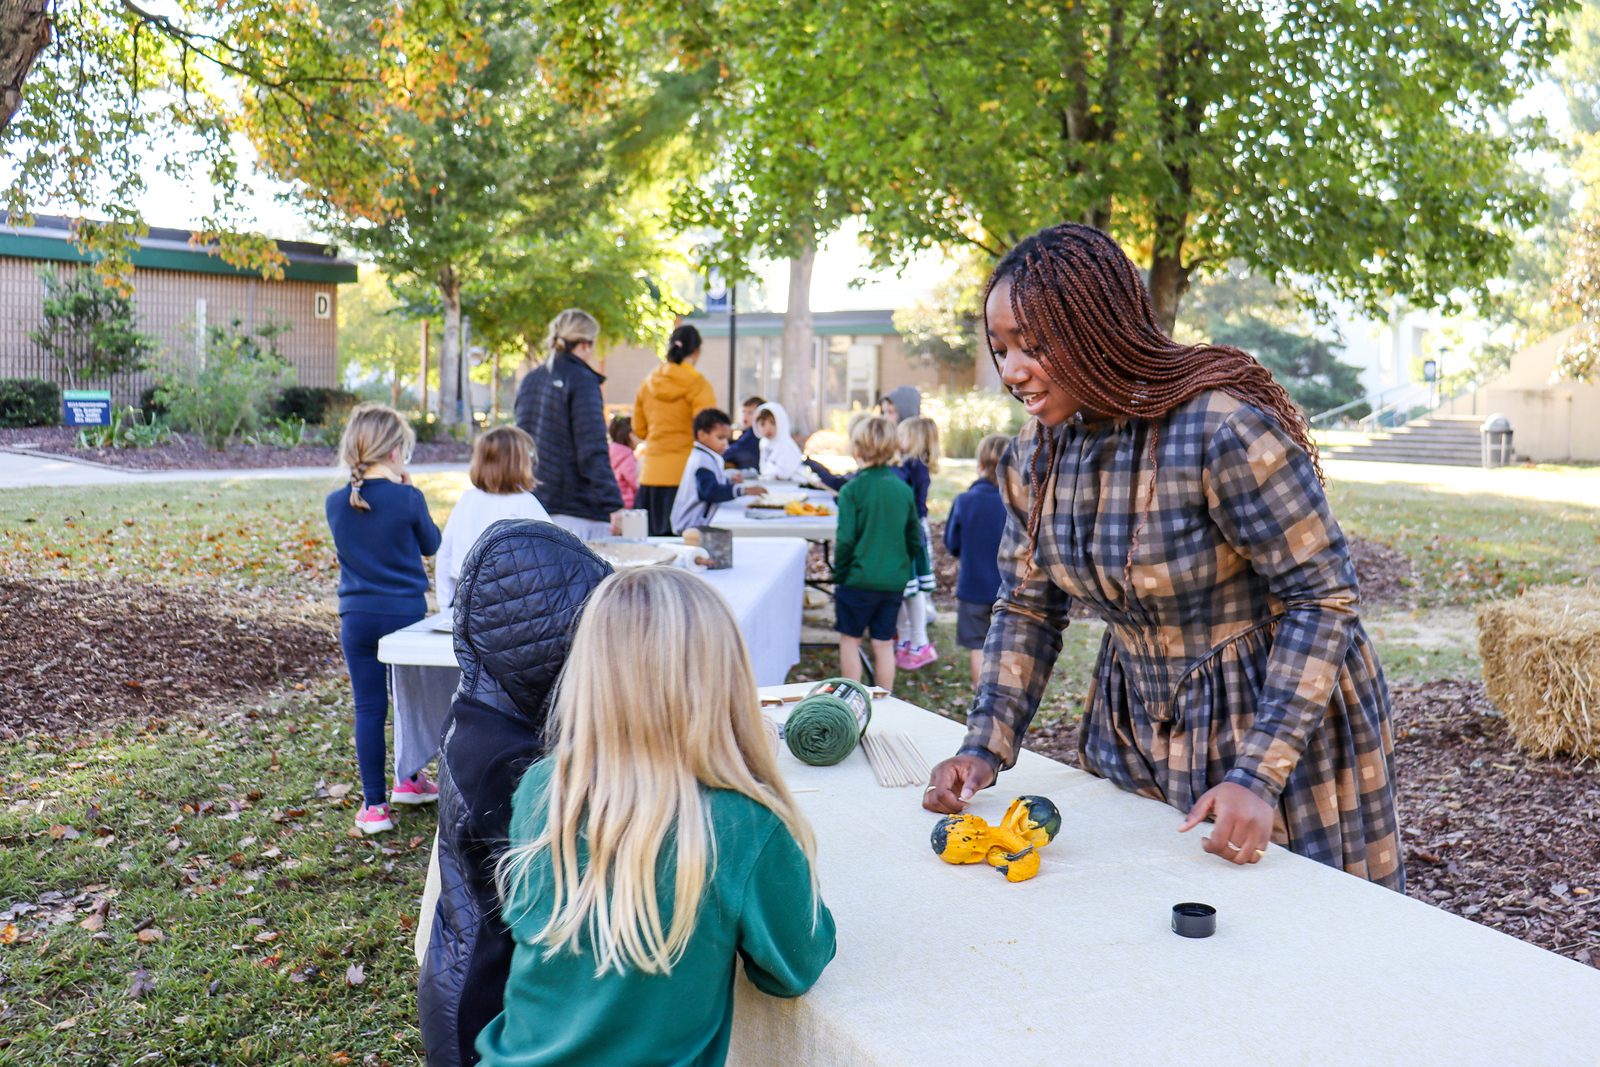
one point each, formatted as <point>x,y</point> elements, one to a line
<point>918,657</point>
<point>374,819</point>
<point>418,790</point>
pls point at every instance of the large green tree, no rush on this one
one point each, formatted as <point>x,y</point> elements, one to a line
<point>95,96</point>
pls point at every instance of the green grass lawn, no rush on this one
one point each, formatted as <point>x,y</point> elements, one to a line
<point>227,830</point>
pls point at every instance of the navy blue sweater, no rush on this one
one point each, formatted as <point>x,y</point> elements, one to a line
<point>972,534</point>
<point>380,551</point>
<point>915,473</point>
<point>745,452</point>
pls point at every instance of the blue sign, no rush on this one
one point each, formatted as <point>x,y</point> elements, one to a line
<point>87,408</point>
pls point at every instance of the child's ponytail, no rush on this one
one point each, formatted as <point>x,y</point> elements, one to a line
<point>371,434</point>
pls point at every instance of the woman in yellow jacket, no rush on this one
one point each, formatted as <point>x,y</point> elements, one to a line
<point>663,412</point>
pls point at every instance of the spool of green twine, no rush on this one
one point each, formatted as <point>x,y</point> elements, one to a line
<point>827,724</point>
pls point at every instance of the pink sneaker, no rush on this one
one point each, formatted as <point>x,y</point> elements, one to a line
<point>374,819</point>
<point>419,790</point>
<point>902,656</point>
<point>918,657</point>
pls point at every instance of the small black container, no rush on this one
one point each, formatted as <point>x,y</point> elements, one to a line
<point>1194,920</point>
<point>718,544</point>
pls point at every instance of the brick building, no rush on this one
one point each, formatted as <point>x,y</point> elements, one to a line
<point>179,290</point>
<point>856,357</point>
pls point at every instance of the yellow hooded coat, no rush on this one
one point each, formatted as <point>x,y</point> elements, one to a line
<point>663,414</point>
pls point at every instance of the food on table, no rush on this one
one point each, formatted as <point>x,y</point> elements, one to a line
<point>1029,824</point>
<point>776,501</point>
<point>805,508</point>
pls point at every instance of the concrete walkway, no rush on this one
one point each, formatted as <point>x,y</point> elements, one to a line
<point>18,471</point>
<point>1570,485</point>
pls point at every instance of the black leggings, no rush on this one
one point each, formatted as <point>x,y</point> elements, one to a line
<point>658,501</point>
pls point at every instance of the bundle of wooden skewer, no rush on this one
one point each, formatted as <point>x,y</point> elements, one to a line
<point>895,759</point>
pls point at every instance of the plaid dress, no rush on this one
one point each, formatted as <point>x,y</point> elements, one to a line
<point>1233,650</point>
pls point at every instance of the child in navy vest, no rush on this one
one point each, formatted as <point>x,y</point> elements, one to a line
<point>972,534</point>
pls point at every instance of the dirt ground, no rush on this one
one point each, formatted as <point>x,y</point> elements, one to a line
<point>77,655</point>
<point>1491,834</point>
<point>189,453</point>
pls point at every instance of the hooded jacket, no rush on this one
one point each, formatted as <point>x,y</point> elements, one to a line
<point>781,458</point>
<point>663,414</point>
<point>560,406</point>
<point>906,400</point>
<point>522,588</point>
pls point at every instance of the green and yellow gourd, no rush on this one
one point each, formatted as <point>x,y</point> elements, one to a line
<point>1012,848</point>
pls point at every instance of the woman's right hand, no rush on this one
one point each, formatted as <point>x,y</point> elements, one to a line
<point>954,782</point>
<point>755,490</point>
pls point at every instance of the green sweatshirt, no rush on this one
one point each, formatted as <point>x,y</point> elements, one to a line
<point>879,533</point>
<point>758,905</point>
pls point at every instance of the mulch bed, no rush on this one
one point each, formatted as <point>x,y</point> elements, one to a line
<point>190,453</point>
<point>77,655</point>
<point>1491,834</point>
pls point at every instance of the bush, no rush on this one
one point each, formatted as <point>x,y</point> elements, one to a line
<point>966,418</point>
<point>333,420</point>
<point>310,403</point>
<point>230,394</point>
<point>427,427</point>
<point>29,402</point>
<point>149,406</point>
<point>128,429</point>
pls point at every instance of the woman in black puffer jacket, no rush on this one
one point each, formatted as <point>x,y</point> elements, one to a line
<point>522,588</point>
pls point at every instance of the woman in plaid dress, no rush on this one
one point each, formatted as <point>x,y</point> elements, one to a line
<point>1174,492</point>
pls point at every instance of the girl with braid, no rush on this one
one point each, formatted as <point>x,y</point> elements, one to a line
<point>381,530</point>
<point>1174,491</point>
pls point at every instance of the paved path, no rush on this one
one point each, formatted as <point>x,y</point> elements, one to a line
<point>17,471</point>
<point>1571,485</point>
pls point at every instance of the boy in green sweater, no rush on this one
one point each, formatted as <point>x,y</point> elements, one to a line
<point>879,536</point>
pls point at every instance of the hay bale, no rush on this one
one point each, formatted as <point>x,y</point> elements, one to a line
<point>1541,667</point>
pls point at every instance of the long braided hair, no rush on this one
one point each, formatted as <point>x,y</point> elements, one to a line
<point>1086,315</point>
<point>372,432</point>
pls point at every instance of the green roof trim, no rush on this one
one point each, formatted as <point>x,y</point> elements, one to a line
<point>31,246</point>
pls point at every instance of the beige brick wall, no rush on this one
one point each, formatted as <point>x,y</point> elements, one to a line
<point>166,302</point>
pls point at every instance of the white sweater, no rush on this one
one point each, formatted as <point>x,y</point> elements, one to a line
<point>474,513</point>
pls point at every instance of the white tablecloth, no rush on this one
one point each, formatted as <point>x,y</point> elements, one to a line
<point>941,963</point>
<point>765,587</point>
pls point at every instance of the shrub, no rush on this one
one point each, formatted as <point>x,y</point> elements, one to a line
<point>310,403</point>
<point>149,406</point>
<point>966,418</point>
<point>90,328</point>
<point>427,427</point>
<point>129,429</point>
<point>231,393</point>
<point>333,420</point>
<point>279,433</point>
<point>29,402</point>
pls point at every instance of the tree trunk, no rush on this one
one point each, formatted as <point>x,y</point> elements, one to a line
<point>1169,278</point>
<point>794,393</point>
<point>450,348</point>
<point>24,33</point>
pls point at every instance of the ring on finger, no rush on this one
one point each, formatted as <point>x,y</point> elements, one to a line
<point>1235,847</point>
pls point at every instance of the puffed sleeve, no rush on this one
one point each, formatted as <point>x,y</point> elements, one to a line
<point>786,932</point>
<point>1263,493</point>
<point>1025,631</point>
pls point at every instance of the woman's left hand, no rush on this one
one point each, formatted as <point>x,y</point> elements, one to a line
<point>1243,823</point>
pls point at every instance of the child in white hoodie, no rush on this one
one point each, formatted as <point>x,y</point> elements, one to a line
<point>781,458</point>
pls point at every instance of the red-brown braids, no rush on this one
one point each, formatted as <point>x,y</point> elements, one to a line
<point>1087,318</point>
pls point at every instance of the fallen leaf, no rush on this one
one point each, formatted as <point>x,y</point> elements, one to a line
<point>408,922</point>
<point>8,934</point>
<point>65,1024</point>
<point>340,1059</point>
<point>141,984</point>
<point>150,935</point>
<point>94,923</point>
<point>355,974</point>
<point>103,842</point>
<point>338,792</point>
<point>268,962</point>
<point>272,853</point>
<point>58,832</point>
<point>266,937</point>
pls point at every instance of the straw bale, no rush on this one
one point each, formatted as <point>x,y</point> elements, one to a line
<point>1541,667</point>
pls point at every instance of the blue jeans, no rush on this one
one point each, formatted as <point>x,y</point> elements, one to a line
<point>359,633</point>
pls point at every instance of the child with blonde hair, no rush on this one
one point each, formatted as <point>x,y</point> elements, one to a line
<point>918,439</point>
<point>502,488</point>
<point>875,551</point>
<point>381,530</point>
<point>654,846</point>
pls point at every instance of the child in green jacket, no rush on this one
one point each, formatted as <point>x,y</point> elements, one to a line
<point>627,933</point>
<point>879,538</point>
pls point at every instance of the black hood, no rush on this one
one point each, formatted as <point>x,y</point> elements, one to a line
<point>522,588</point>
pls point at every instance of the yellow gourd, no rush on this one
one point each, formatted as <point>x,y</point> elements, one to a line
<point>1012,847</point>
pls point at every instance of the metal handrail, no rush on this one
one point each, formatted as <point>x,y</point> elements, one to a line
<point>1370,399</point>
